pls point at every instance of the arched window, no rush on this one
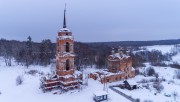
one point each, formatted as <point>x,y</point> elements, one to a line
<point>67,65</point>
<point>67,47</point>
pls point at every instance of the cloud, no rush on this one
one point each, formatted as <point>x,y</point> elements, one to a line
<point>91,20</point>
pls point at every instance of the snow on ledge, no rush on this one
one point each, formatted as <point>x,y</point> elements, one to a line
<point>65,37</point>
<point>64,30</point>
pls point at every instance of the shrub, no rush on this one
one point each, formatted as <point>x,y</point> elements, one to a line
<point>137,100</point>
<point>159,87</point>
<point>156,75</point>
<point>147,86</point>
<point>150,71</point>
<point>41,73</point>
<point>32,72</point>
<point>19,80</point>
<point>143,81</point>
<point>162,64</point>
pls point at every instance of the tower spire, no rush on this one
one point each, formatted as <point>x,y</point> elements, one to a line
<point>64,22</point>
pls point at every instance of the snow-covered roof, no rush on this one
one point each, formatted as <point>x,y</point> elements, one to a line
<point>100,93</point>
<point>132,82</point>
<point>67,54</point>
<point>117,55</point>
<point>133,69</point>
<point>64,30</point>
<point>106,73</point>
<point>67,76</point>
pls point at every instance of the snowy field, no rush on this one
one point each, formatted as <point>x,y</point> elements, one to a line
<point>29,90</point>
<point>176,58</point>
<point>163,48</point>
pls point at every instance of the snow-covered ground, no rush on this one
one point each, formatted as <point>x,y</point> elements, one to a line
<point>176,58</point>
<point>166,49</point>
<point>163,48</point>
<point>146,94</point>
<point>29,91</point>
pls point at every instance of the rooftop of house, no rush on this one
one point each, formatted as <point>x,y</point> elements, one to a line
<point>107,73</point>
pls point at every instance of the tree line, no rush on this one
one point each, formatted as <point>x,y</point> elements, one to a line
<point>27,52</point>
<point>87,54</point>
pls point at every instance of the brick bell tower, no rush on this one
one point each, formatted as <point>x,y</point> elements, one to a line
<point>66,77</point>
<point>64,51</point>
<point>65,58</point>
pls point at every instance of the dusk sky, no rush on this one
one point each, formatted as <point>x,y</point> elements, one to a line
<point>91,20</point>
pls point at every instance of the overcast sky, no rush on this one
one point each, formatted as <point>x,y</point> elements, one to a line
<point>91,20</point>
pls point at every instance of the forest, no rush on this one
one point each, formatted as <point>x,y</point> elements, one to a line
<point>87,54</point>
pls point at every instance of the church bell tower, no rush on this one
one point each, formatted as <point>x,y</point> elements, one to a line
<point>64,51</point>
<point>66,77</point>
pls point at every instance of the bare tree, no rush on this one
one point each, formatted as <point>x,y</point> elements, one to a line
<point>6,52</point>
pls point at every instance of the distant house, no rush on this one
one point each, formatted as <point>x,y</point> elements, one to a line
<point>128,86</point>
<point>100,96</point>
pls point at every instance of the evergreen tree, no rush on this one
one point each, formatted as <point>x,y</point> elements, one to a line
<point>28,57</point>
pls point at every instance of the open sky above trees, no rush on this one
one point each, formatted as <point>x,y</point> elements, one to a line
<point>91,20</point>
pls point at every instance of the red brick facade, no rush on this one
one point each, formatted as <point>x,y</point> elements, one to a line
<point>119,67</point>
